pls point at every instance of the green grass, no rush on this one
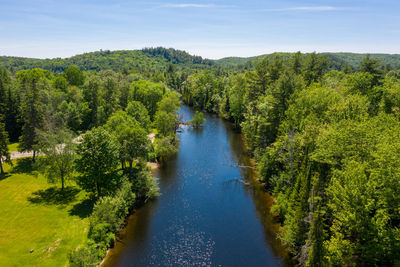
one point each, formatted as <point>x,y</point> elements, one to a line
<point>37,215</point>
<point>13,147</point>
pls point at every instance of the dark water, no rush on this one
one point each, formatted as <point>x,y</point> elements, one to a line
<point>210,213</point>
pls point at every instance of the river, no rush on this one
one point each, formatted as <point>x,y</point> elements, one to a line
<point>210,212</point>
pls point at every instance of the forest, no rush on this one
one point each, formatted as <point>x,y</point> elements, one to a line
<point>326,144</point>
<point>323,129</point>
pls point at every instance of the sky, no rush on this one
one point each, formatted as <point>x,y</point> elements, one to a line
<point>211,29</point>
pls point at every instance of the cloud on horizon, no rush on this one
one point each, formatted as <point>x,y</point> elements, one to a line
<point>308,8</point>
<point>189,5</point>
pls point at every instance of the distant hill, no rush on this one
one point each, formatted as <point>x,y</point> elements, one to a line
<point>145,59</point>
<point>337,59</point>
<point>159,58</point>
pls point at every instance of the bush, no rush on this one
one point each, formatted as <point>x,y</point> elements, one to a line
<point>145,185</point>
<point>101,233</point>
<point>105,212</point>
<point>84,257</point>
<point>165,147</point>
<point>198,119</point>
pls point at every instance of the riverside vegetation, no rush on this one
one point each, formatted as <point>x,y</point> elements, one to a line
<point>323,130</point>
<point>327,146</point>
<point>89,134</point>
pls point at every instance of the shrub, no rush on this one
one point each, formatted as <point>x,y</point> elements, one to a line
<point>145,185</point>
<point>87,256</point>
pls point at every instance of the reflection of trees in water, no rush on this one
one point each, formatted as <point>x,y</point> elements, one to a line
<point>131,238</point>
<point>261,198</point>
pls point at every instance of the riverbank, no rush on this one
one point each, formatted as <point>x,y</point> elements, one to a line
<point>211,210</point>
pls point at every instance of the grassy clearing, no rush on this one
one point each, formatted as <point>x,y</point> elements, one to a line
<point>37,215</point>
<point>13,147</point>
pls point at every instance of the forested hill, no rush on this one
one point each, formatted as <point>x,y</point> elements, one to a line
<point>159,58</point>
<point>145,59</point>
<point>337,60</point>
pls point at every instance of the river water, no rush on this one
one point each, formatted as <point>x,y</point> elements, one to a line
<point>210,212</point>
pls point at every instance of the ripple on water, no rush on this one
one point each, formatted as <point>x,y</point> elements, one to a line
<point>185,248</point>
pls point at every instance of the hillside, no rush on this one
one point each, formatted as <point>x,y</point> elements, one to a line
<point>338,60</point>
<point>159,58</point>
<point>145,59</point>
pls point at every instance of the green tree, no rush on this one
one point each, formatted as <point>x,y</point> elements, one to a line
<point>166,123</point>
<point>314,67</point>
<point>169,103</point>
<point>132,138</point>
<point>296,63</point>
<point>32,83</point>
<point>4,84</point>
<point>74,75</point>
<point>198,119</point>
<point>148,93</point>
<point>92,97</point>
<point>165,147</point>
<point>59,150</point>
<point>97,161</point>
<point>60,83</point>
<point>372,66</point>
<point>237,99</point>
<point>138,111</point>
<point>4,153</point>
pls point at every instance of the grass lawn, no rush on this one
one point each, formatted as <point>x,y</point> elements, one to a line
<point>37,215</point>
<point>13,147</point>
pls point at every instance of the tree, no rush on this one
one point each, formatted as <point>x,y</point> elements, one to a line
<point>60,83</point>
<point>296,63</point>
<point>97,161</point>
<point>314,67</point>
<point>133,141</point>
<point>165,123</point>
<point>236,99</point>
<point>4,153</point>
<point>170,102</point>
<point>32,83</point>
<point>165,146</point>
<point>138,111</point>
<point>74,75</point>
<point>12,116</point>
<point>109,95</point>
<point>59,151</point>
<point>148,93</point>
<point>4,84</point>
<point>92,97</point>
<point>198,119</point>
<point>131,137</point>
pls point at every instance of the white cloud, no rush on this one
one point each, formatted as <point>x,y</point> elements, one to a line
<point>189,5</point>
<point>307,8</point>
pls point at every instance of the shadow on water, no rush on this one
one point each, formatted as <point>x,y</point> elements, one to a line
<point>263,201</point>
<point>54,196</point>
<point>134,236</point>
<point>83,209</point>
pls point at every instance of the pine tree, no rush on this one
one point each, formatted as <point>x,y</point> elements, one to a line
<point>4,82</point>
<point>32,111</point>
<point>4,153</point>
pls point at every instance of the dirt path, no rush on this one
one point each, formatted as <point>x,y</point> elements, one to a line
<point>18,155</point>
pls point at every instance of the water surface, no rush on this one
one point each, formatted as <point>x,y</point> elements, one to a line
<point>210,213</point>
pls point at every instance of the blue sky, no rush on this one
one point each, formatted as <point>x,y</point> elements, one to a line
<point>212,29</point>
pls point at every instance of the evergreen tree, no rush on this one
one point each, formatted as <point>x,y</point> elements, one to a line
<point>32,109</point>
<point>4,153</point>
